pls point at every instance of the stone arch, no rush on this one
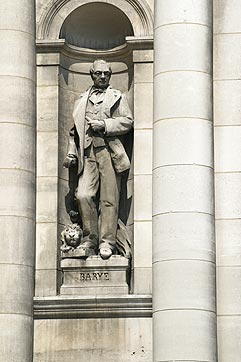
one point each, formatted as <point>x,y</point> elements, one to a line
<point>52,19</point>
<point>98,26</point>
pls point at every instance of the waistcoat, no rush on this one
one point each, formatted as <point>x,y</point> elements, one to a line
<point>93,111</point>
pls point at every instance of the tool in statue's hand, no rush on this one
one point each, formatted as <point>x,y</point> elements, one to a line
<point>96,125</point>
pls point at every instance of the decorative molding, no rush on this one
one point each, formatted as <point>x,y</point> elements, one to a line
<point>60,46</point>
<point>125,306</point>
<point>60,9</point>
<point>50,46</point>
<point>140,42</point>
<point>135,42</point>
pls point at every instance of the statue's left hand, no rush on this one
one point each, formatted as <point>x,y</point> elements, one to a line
<point>96,125</point>
<point>70,161</point>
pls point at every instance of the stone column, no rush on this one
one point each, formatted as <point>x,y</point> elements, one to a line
<point>17,178</point>
<point>227,122</point>
<point>184,312</point>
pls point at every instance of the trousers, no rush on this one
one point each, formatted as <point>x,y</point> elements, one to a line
<point>98,196</point>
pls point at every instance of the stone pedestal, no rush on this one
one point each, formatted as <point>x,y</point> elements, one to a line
<point>95,276</point>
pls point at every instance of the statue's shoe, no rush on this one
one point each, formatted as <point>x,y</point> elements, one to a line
<point>86,249</point>
<point>105,253</point>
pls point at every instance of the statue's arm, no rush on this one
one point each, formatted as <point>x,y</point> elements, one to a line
<point>121,121</point>
<point>72,154</point>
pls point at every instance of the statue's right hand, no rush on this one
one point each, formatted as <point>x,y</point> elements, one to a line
<point>70,161</point>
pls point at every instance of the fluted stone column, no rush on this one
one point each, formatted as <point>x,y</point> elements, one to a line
<point>17,178</point>
<point>227,121</point>
<point>184,312</point>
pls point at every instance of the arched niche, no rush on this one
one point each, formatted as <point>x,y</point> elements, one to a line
<point>52,18</point>
<point>94,30</point>
<point>63,74</point>
<point>98,26</point>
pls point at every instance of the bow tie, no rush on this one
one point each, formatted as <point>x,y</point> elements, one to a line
<point>97,90</point>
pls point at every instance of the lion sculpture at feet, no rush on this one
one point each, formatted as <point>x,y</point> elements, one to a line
<point>71,237</point>
<point>72,240</point>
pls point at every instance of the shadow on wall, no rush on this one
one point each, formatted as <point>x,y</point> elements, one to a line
<point>97,26</point>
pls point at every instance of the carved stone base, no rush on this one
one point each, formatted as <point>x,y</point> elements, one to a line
<point>95,276</point>
<point>77,253</point>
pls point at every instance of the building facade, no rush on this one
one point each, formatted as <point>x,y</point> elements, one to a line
<point>178,63</point>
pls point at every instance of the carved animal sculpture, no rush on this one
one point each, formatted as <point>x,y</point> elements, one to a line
<point>71,237</point>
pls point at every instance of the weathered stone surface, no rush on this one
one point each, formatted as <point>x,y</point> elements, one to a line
<point>103,340</point>
<point>224,111</point>
<point>229,335</point>
<point>16,196</point>
<point>174,98</point>
<point>143,152</point>
<point>183,284</point>
<point>95,276</point>
<point>189,147</point>
<point>16,278</point>
<point>228,138</point>
<point>142,280</point>
<point>184,236</point>
<point>93,306</point>
<point>46,245</point>
<point>143,249</point>
<point>185,188</point>
<point>180,57</point>
<point>16,334</point>
<point>47,199</point>
<point>77,253</point>
<point>22,63</point>
<point>177,342</point>
<point>143,108</point>
<point>17,239</point>
<point>17,112</point>
<point>142,208</point>
<point>227,63</point>
<point>172,12</point>
<point>228,187</point>
<point>13,134</point>
<point>46,282</point>
<point>17,178</point>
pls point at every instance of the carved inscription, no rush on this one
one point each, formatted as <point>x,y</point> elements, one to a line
<point>94,276</point>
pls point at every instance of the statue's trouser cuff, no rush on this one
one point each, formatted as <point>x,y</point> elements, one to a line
<point>99,172</point>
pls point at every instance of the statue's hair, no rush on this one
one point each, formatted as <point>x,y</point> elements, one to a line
<point>99,61</point>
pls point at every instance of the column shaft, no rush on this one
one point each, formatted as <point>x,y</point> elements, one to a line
<point>17,178</point>
<point>184,313</point>
<point>227,122</point>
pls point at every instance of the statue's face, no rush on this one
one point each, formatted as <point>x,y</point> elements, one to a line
<point>101,75</point>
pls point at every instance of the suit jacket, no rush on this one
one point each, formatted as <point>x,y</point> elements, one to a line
<point>117,116</point>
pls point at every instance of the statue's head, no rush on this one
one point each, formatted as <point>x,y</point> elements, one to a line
<point>100,72</point>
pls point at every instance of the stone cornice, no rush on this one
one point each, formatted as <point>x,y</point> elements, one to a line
<point>140,42</point>
<point>60,46</point>
<point>49,48</point>
<point>128,306</point>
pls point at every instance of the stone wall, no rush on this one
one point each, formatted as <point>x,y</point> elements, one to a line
<point>79,328</point>
<point>94,339</point>
<point>184,196</point>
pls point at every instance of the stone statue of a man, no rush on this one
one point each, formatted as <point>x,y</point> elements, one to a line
<point>101,115</point>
